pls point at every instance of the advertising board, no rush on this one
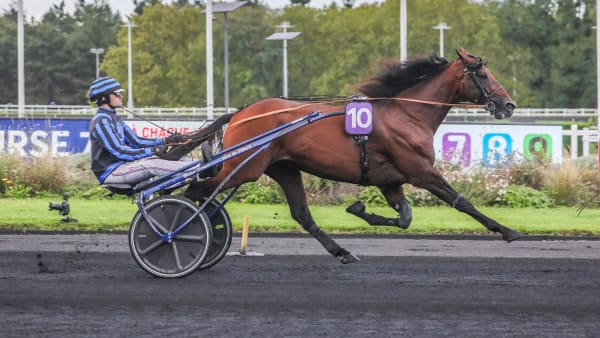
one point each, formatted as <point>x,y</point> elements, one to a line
<point>493,144</point>
<point>460,144</point>
<point>61,137</point>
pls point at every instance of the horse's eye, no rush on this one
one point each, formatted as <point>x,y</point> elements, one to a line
<point>482,75</point>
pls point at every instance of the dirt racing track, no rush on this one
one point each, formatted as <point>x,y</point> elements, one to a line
<point>88,285</point>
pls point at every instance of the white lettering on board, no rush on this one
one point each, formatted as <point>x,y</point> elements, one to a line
<point>88,145</point>
<point>39,143</point>
<point>17,140</point>
<point>57,143</point>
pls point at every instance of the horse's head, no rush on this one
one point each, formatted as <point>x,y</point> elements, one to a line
<point>483,88</point>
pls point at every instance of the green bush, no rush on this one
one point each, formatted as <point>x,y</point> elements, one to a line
<point>259,192</point>
<point>563,183</point>
<point>521,196</point>
<point>479,184</point>
<point>26,177</point>
<point>17,190</point>
<point>422,198</point>
<point>371,196</point>
<point>530,173</point>
<point>11,172</point>
<point>320,191</point>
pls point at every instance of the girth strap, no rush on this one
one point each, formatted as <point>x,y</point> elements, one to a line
<point>364,157</point>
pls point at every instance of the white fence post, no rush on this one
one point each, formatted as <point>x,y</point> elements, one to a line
<point>574,137</point>
<point>585,138</point>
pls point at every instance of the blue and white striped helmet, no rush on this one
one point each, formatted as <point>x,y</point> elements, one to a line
<point>104,86</point>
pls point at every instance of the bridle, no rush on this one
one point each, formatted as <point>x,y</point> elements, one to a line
<point>472,70</point>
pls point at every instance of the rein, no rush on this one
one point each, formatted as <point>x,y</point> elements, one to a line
<point>426,102</point>
<point>273,112</point>
<point>433,103</point>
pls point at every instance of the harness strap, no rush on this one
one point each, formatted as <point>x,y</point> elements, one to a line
<point>364,157</point>
<point>289,109</point>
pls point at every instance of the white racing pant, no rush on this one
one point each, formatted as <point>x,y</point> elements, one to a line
<point>140,170</point>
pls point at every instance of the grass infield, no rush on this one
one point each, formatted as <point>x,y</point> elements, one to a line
<point>115,215</point>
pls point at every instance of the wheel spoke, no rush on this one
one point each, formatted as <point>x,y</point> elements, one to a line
<point>158,225</point>
<point>152,247</point>
<point>175,219</point>
<point>176,254</point>
<point>191,238</point>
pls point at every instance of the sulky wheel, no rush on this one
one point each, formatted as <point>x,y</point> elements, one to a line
<point>188,248</point>
<point>221,234</point>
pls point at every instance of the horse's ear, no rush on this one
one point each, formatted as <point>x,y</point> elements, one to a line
<point>462,53</point>
<point>458,53</point>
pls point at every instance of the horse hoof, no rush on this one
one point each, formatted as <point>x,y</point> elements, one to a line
<point>349,258</point>
<point>357,208</point>
<point>511,236</point>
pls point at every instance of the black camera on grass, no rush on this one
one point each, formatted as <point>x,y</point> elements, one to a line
<point>63,208</point>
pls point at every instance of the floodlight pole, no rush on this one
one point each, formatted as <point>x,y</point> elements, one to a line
<point>403,30</point>
<point>129,26</point>
<point>226,7</point>
<point>284,25</point>
<point>441,26</point>
<point>285,35</point>
<point>226,61</point>
<point>97,51</point>
<point>209,63</point>
<point>21,59</point>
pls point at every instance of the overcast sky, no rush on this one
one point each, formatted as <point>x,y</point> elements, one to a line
<point>37,8</point>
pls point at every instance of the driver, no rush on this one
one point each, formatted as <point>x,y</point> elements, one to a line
<point>118,155</point>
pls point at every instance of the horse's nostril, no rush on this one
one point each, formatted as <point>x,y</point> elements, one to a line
<point>511,106</point>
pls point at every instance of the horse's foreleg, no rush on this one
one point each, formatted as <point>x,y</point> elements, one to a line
<point>462,204</point>
<point>290,180</point>
<point>438,186</point>
<point>395,198</point>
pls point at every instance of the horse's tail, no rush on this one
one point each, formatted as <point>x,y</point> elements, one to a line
<point>177,151</point>
<point>202,134</point>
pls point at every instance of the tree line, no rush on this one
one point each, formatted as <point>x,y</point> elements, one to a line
<point>542,51</point>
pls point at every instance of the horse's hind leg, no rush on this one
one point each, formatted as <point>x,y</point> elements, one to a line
<point>394,195</point>
<point>290,180</point>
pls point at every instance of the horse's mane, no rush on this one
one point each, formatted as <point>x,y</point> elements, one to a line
<point>394,76</point>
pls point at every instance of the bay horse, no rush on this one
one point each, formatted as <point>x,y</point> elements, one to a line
<point>410,100</point>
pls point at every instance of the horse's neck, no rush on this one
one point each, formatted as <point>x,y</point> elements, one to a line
<point>442,89</point>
